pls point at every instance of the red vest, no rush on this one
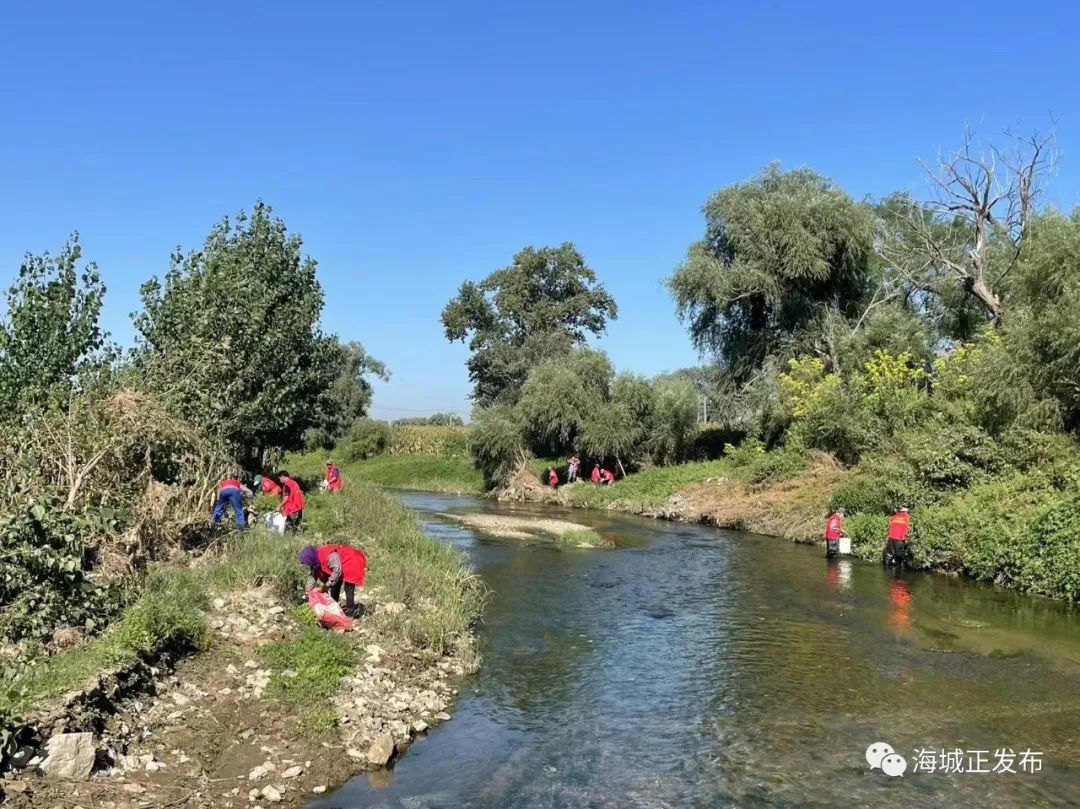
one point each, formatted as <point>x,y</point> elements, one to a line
<point>294,498</point>
<point>333,478</point>
<point>229,483</point>
<point>353,562</point>
<point>595,476</point>
<point>269,486</point>
<point>898,526</point>
<point>553,478</point>
<point>833,526</point>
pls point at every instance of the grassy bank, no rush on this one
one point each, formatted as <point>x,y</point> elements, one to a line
<point>442,597</point>
<point>420,472</point>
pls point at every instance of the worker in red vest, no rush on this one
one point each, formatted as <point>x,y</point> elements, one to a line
<point>266,485</point>
<point>230,492</point>
<point>607,477</point>
<point>595,476</point>
<point>553,477</point>
<point>896,549</point>
<point>292,501</point>
<point>334,566</point>
<point>333,476</point>
<point>834,529</point>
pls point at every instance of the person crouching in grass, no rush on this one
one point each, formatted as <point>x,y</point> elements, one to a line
<point>333,567</point>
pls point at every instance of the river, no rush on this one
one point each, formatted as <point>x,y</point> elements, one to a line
<point>694,667</point>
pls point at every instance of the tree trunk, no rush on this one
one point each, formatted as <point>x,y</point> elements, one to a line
<point>990,300</point>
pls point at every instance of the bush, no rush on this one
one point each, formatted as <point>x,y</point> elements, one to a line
<point>1053,566</point>
<point>366,439</point>
<point>879,485</point>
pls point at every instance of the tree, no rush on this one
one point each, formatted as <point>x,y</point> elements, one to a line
<point>541,306</point>
<point>348,397</point>
<point>51,332</point>
<point>783,256</point>
<point>970,231</point>
<point>232,335</point>
<point>558,396</point>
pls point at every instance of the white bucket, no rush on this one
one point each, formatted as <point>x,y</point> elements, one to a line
<point>845,545</point>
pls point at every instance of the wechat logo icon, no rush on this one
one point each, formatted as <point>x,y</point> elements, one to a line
<point>881,756</point>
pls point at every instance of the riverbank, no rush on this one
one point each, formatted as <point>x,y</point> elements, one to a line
<point>217,686</point>
<point>1019,528</point>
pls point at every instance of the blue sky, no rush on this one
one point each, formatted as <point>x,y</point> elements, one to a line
<point>418,144</point>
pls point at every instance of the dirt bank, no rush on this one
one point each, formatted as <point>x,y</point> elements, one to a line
<point>227,728</point>
<point>531,528</point>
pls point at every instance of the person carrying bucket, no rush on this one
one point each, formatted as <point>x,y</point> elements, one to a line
<point>834,530</point>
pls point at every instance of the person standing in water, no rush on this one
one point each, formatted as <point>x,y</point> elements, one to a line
<point>896,549</point>
<point>834,529</point>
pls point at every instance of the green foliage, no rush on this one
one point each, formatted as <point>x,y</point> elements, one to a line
<point>431,473</point>
<point>319,658</point>
<point>542,306</point>
<point>232,335</point>
<point>366,439</point>
<point>348,397</point>
<point>649,488</point>
<point>583,538</point>
<point>781,255</point>
<point>434,420</point>
<point>50,334</point>
<point>497,440</point>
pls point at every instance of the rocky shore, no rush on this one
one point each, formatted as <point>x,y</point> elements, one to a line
<point>212,731</point>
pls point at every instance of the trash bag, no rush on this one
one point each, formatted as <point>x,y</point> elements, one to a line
<point>328,611</point>
<point>275,522</point>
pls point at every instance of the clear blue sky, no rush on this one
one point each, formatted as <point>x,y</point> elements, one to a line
<point>418,144</point>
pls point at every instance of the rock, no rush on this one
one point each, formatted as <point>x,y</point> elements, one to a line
<point>219,603</point>
<point>257,773</point>
<point>442,716</point>
<point>21,758</point>
<point>180,699</point>
<point>271,794</point>
<point>293,772</point>
<point>154,766</point>
<point>419,726</point>
<point>134,789</point>
<point>250,664</point>
<point>392,608</point>
<point>275,611</point>
<point>69,756</point>
<point>381,749</point>
<point>319,790</point>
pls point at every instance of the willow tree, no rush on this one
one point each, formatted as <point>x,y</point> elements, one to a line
<point>786,265</point>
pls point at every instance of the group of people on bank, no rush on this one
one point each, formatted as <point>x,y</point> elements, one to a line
<point>599,475</point>
<point>896,542</point>
<point>232,493</point>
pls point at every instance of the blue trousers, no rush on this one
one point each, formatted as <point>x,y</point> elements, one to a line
<point>232,497</point>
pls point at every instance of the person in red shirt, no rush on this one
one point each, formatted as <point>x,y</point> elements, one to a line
<point>595,476</point>
<point>333,476</point>
<point>266,485</point>
<point>334,566</point>
<point>834,529</point>
<point>896,549</point>
<point>292,501</point>
<point>230,492</point>
<point>607,477</point>
<point>553,477</point>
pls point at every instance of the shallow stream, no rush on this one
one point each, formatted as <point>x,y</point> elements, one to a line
<point>693,667</point>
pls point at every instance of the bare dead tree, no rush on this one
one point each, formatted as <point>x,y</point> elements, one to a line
<point>972,226</point>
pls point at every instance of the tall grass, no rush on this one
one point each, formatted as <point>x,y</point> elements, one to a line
<point>420,472</point>
<point>646,489</point>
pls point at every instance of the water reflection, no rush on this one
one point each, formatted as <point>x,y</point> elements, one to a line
<point>698,668</point>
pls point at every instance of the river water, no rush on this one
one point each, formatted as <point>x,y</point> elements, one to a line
<point>693,667</point>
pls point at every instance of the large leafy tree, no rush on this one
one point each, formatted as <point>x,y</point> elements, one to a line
<point>232,335</point>
<point>349,395</point>
<point>50,334</point>
<point>541,306</point>
<point>786,264</point>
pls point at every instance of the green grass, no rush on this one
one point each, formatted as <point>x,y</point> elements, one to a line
<point>443,597</point>
<point>647,489</point>
<point>429,473</point>
<point>585,537</point>
<point>319,658</point>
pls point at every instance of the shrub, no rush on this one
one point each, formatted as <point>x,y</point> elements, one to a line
<point>366,439</point>
<point>879,485</point>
